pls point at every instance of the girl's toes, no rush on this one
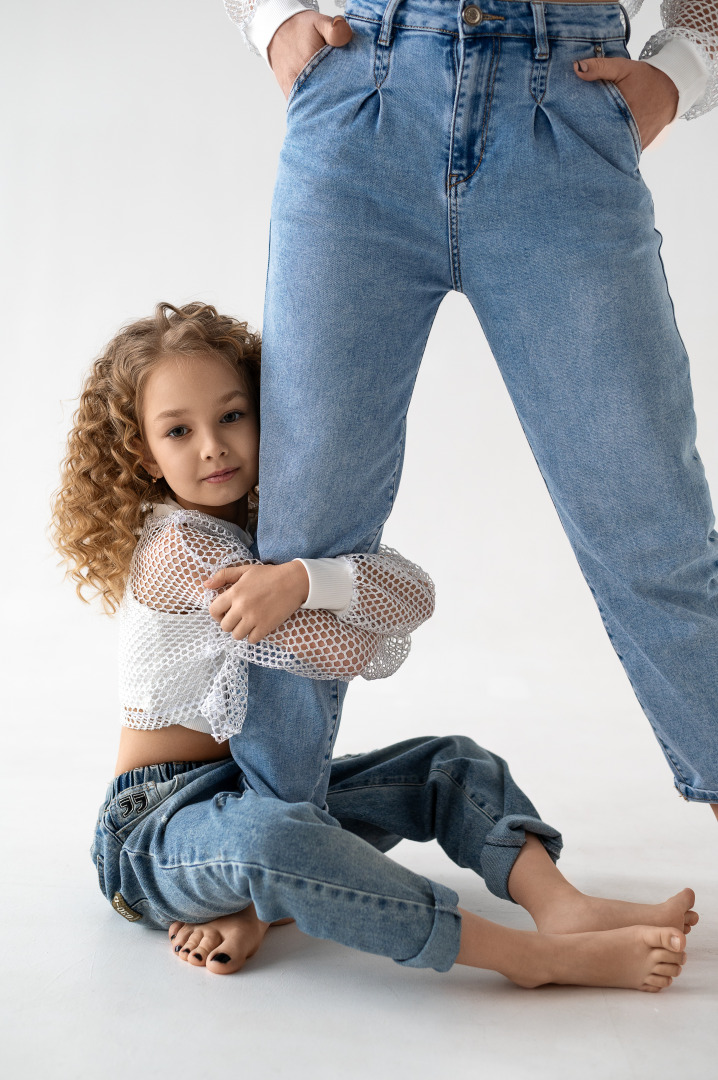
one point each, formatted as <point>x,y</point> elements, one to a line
<point>221,963</point>
<point>198,956</point>
<point>190,945</point>
<point>181,937</point>
<point>174,930</point>
<point>667,937</point>
<point>660,982</point>
<point>667,969</point>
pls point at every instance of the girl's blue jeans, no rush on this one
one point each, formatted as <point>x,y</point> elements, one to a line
<point>433,154</point>
<point>192,842</point>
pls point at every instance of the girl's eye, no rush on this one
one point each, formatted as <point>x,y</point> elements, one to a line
<point>177,432</point>
<point>231,417</point>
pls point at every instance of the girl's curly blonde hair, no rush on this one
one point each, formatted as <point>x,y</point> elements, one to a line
<point>105,490</point>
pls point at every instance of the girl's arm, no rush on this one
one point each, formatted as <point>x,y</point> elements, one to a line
<point>381,599</point>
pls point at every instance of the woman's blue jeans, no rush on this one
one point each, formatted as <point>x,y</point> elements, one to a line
<point>192,842</point>
<point>431,154</point>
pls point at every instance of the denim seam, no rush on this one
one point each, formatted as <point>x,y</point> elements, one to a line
<point>242,866</point>
<point>419,783</point>
<point>619,101</point>
<point>306,72</point>
<point>495,56</point>
<point>328,754</point>
<point>394,480</point>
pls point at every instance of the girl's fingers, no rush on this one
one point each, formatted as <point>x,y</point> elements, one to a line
<point>228,575</point>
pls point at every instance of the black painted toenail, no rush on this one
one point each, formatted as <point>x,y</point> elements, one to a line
<point>197,956</point>
<point>177,948</point>
<point>185,950</point>
<point>173,937</point>
<point>221,958</point>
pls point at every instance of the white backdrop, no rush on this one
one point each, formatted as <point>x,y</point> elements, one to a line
<point>140,142</point>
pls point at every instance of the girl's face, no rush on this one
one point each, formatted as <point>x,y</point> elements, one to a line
<point>201,434</point>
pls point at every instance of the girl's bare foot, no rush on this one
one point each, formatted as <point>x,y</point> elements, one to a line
<point>569,911</point>
<point>221,945</point>
<point>635,957</point>
<point>557,907</point>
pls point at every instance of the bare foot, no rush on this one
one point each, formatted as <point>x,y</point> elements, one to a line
<point>568,911</point>
<point>634,957</point>
<point>222,945</point>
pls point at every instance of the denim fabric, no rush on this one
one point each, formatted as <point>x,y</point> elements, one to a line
<point>430,155</point>
<point>192,841</point>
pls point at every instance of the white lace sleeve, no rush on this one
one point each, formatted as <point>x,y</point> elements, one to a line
<point>389,594</point>
<point>177,663</point>
<point>259,19</point>
<point>370,637</point>
<point>697,22</point>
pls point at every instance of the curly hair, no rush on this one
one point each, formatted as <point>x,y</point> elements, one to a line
<point>105,490</point>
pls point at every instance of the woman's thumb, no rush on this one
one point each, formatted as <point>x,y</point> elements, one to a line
<point>607,68</point>
<point>336,31</point>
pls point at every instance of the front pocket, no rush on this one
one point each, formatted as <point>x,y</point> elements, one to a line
<point>625,110</point>
<point>306,71</point>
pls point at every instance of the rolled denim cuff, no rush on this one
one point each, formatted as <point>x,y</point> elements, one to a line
<point>442,945</point>
<point>503,846</point>
<point>696,794</point>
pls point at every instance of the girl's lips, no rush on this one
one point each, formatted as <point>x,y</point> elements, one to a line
<point>220,477</point>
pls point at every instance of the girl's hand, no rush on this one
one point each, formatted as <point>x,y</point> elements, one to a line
<point>650,94</point>
<point>258,599</point>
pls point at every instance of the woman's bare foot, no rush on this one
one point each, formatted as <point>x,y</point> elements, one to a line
<point>635,957</point>
<point>570,911</point>
<point>222,945</point>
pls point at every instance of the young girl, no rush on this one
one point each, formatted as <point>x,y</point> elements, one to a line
<point>153,514</point>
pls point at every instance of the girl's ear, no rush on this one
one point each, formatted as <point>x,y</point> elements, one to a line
<point>148,462</point>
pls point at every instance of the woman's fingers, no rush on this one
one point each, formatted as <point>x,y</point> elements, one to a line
<point>607,68</point>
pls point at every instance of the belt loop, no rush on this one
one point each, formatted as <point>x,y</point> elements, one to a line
<point>539,13</point>
<point>387,23</point>
<point>626,24</point>
<point>383,43</point>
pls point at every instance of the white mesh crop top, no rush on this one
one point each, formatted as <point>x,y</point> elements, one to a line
<point>177,666</point>
<point>688,43</point>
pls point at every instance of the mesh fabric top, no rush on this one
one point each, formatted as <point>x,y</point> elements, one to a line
<point>177,666</point>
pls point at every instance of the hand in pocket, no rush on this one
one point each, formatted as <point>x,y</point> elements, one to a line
<point>299,38</point>
<point>649,93</point>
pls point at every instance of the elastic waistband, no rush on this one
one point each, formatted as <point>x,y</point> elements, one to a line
<point>495,18</point>
<point>148,774</point>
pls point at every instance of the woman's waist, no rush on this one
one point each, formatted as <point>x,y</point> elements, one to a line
<point>513,18</point>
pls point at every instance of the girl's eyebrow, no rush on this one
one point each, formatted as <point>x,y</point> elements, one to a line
<point>220,401</point>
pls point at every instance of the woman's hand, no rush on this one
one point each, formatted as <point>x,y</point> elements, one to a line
<point>299,38</point>
<point>650,94</point>
<point>259,598</point>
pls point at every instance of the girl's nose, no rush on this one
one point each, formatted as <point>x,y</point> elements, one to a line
<point>213,446</point>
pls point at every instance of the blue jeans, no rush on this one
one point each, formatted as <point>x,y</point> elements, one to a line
<point>192,842</point>
<point>430,155</point>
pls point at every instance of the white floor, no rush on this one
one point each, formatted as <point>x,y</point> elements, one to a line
<point>113,210</point>
<point>88,993</point>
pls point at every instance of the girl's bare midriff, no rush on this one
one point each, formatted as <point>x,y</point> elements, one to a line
<point>140,748</point>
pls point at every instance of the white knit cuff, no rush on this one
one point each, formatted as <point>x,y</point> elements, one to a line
<point>330,583</point>
<point>682,62</point>
<point>268,17</point>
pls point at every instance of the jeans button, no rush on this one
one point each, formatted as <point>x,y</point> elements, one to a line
<point>472,15</point>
